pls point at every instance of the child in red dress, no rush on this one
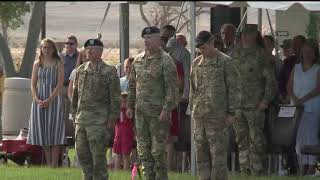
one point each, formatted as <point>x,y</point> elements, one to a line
<point>123,140</point>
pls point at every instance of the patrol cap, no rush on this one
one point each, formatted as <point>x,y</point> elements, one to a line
<point>286,43</point>
<point>150,30</point>
<point>93,42</point>
<point>247,28</point>
<point>203,37</point>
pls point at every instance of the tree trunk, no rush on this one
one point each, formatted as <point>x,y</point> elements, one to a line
<point>4,27</point>
<point>7,58</point>
<point>32,39</point>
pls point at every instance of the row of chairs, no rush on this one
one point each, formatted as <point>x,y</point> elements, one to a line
<point>281,132</point>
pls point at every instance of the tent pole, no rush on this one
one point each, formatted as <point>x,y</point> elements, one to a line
<point>276,41</point>
<point>242,20</point>
<point>192,5</point>
<point>260,20</point>
<point>124,34</point>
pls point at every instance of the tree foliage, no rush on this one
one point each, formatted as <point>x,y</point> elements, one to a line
<point>31,45</point>
<point>11,15</point>
<point>313,26</point>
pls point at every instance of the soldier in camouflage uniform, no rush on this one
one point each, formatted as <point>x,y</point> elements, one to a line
<point>96,105</point>
<point>258,87</point>
<point>152,95</point>
<point>214,102</point>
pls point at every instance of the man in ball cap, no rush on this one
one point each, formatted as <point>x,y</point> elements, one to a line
<point>152,96</point>
<point>214,102</point>
<point>181,56</point>
<point>286,48</point>
<point>258,88</point>
<point>95,104</point>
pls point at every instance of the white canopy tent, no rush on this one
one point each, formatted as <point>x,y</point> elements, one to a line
<point>276,5</point>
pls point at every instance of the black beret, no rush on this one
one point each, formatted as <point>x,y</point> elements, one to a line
<point>203,37</point>
<point>150,30</point>
<point>93,42</point>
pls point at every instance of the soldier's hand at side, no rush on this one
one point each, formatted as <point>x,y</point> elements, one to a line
<point>262,106</point>
<point>130,113</point>
<point>165,116</point>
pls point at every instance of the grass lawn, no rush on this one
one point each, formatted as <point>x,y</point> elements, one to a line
<point>12,171</point>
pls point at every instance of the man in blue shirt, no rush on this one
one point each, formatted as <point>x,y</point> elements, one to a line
<point>69,58</point>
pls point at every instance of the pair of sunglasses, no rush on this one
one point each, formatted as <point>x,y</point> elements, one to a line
<point>69,43</point>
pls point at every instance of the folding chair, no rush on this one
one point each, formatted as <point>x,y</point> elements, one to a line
<point>282,133</point>
<point>312,150</point>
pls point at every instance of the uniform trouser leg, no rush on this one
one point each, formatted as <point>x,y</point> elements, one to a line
<point>91,146</point>
<point>143,136</point>
<point>257,140</point>
<point>151,135</point>
<point>251,140</point>
<point>211,151</point>
<point>242,138</point>
<point>159,132</point>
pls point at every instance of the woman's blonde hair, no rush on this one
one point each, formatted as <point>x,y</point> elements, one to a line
<point>54,54</point>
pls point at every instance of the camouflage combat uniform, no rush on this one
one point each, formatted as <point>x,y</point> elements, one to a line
<point>257,83</point>
<point>96,100</point>
<point>152,88</point>
<point>214,92</point>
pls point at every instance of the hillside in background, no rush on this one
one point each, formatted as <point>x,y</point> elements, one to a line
<point>83,20</point>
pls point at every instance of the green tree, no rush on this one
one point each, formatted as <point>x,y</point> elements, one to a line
<point>313,27</point>
<point>11,14</point>
<point>31,45</point>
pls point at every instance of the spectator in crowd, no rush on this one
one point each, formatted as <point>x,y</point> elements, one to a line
<point>82,58</point>
<point>124,134</point>
<point>285,71</point>
<point>95,106</point>
<point>276,61</point>
<point>69,58</point>
<point>153,95</point>
<point>214,102</point>
<point>181,57</point>
<point>286,48</point>
<point>287,66</point>
<point>163,42</point>
<point>258,88</point>
<point>218,43</point>
<point>47,126</point>
<point>167,32</point>
<point>228,34</point>
<point>304,89</point>
<point>181,39</point>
